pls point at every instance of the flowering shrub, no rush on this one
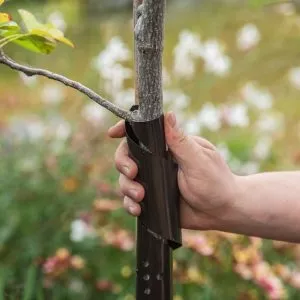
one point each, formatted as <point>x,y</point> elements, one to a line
<point>63,232</point>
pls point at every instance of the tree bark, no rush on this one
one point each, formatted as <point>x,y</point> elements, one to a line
<point>136,4</point>
<point>149,37</point>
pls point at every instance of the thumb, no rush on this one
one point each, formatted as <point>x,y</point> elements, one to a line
<point>182,146</point>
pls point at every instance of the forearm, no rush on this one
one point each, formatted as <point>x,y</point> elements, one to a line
<point>267,205</point>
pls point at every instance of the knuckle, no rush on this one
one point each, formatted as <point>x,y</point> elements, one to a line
<point>121,157</point>
<point>118,160</point>
<point>125,185</point>
<point>182,138</point>
<point>125,202</point>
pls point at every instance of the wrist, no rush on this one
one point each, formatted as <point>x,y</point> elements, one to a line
<point>232,217</point>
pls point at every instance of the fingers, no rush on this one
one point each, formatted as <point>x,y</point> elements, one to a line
<point>183,147</point>
<point>118,130</point>
<point>124,163</point>
<point>133,192</point>
<point>131,188</point>
<point>132,207</point>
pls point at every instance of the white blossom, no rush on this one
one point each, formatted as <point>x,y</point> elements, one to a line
<point>28,128</point>
<point>125,98</point>
<point>115,77</point>
<point>192,126</point>
<point>115,52</point>
<point>94,113</point>
<point>248,37</point>
<point>210,117</point>
<point>219,66</point>
<point>237,115</point>
<point>35,129</point>
<point>294,77</point>
<point>188,48</point>
<point>259,98</point>
<point>177,99</point>
<point>270,123</point>
<point>28,80</point>
<point>57,19</point>
<point>263,147</point>
<point>108,64</point>
<point>80,230</point>
<point>52,94</point>
<point>215,60</point>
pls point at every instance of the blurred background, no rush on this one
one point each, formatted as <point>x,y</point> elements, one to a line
<point>231,74</point>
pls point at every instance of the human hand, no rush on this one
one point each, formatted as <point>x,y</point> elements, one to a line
<point>207,186</point>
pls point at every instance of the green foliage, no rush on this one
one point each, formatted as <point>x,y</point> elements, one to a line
<point>38,37</point>
<point>257,3</point>
<point>30,283</point>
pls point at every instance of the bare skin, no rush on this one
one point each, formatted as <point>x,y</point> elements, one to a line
<point>212,197</point>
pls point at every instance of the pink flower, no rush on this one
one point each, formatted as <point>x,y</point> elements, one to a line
<point>50,265</point>
<point>267,280</point>
<point>120,239</point>
<point>273,287</point>
<point>198,242</point>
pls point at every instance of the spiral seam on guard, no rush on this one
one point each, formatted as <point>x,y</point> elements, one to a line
<point>158,175</point>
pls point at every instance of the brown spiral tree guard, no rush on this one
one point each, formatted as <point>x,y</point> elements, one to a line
<point>158,228</point>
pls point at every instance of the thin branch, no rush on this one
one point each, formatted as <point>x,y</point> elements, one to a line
<point>29,71</point>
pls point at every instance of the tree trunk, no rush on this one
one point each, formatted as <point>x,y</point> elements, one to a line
<point>149,38</point>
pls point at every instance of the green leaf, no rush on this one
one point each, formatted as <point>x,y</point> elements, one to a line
<point>40,38</point>
<point>30,283</point>
<point>44,30</point>
<point>36,44</point>
<point>48,32</point>
<point>10,26</point>
<point>10,38</point>
<point>29,20</point>
<point>29,41</point>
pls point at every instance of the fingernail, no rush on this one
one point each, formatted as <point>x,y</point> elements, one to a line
<point>171,119</point>
<point>133,193</point>
<point>126,170</point>
<point>132,210</point>
<point>118,124</point>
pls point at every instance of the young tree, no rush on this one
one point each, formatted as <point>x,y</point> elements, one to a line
<point>158,229</point>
